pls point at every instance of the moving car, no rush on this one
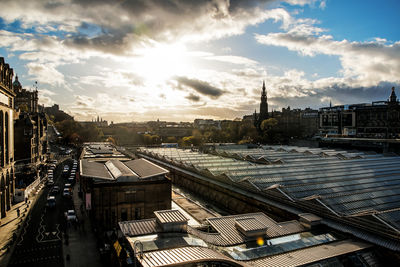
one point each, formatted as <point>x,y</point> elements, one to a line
<point>65,170</point>
<point>55,189</point>
<point>70,215</point>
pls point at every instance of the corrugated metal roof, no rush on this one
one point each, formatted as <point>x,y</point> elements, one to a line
<point>187,255</point>
<point>250,224</point>
<point>323,181</point>
<point>309,255</point>
<point>119,167</point>
<point>145,168</point>
<point>181,256</point>
<point>139,227</point>
<point>94,169</point>
<point>170,216</point>
<point>310,217</point>
<point>226,227</point>
<point>123,171</point>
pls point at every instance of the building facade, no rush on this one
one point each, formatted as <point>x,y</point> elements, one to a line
<point>30,146</point>
<point>379,119</point>
<point>7,113</point>
<point>121,189</point>
<point>30,136</point>
<point>25,100</point>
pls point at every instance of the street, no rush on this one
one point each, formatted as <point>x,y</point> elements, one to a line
<point>40,243</point>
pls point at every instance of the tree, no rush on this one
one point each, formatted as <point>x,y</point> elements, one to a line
<point>268,124</point>
<point>190,140</point>
<point>23,108</point>
<point>111,140</point>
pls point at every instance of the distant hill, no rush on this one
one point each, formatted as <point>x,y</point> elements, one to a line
<point>56,114</point>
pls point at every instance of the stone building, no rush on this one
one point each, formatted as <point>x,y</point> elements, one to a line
<point>7,114</point>
<point>25,100</point>
<point>379,119</point>
<point>297,123</point>
<point>30,135</point>
<point>117,189</point>
<point>30,146</point>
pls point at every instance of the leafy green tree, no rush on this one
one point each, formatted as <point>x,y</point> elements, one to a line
<point>190,140</point>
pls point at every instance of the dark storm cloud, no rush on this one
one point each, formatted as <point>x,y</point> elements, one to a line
<point>193,97</point>
<point>121,24</point>
<point>201,87</point>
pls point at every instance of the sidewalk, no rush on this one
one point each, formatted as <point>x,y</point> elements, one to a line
<point>12,224</point>
<point>82,247</point>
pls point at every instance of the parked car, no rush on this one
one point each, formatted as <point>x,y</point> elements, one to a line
<point>51,202</point>
<point>52,166</point>
<point>55,189</point>
<point>70,215</point>
<point>65,170</point>
<point>67,192</point>
<point>50,182</point>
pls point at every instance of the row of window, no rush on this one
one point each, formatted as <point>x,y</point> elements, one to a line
<point>4,138</point>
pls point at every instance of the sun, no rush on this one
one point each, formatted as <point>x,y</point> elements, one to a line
<point>162,61</point>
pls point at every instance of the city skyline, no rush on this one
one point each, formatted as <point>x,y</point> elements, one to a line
<point>181,60</point>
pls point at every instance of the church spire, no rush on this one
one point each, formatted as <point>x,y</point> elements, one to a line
<point>263,115</point>
<point>264,93</point>
<point>393,97</point>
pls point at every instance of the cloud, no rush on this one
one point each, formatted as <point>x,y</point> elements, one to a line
<point>367,62</point>
<point>45,100</point>
<point>363,63</point>
<point>94,25</point>
<point>193,97</point>
<point>46,73</point>
<point>233,59</point>
<point>201,87</point>
<point>43,92</point>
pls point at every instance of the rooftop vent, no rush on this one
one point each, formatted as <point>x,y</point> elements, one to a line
<point>171,220</point>
<point>251,227</point>
<point>309,219</point>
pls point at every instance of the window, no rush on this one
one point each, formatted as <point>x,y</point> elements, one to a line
<point>138,214</point>
<point>124,215</point>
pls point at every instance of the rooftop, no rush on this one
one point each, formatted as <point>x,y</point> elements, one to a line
<point>170,216</point>
<point>286,243</point>
<point>360,188</point>
<point>101,151</point>
<point>116,170</point>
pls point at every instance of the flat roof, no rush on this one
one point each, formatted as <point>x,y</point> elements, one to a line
<point>116,170</point>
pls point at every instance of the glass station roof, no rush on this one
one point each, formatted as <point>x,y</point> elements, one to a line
<point>348,183</point>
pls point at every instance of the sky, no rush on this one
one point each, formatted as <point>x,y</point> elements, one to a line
<point>178,60</point>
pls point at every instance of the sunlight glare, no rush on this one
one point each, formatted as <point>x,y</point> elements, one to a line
<point>162,61</point>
